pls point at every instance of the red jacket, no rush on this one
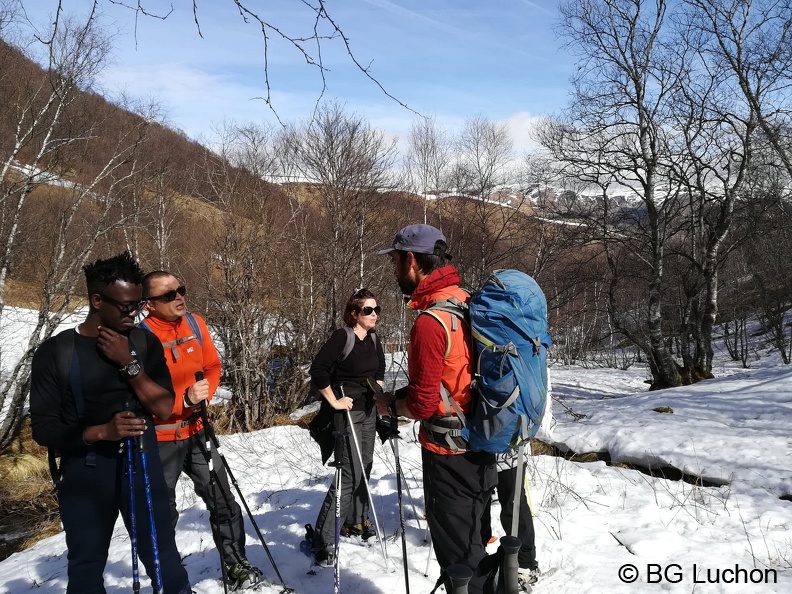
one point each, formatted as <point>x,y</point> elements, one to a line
<point>183,361</point>
<point>427,364</point>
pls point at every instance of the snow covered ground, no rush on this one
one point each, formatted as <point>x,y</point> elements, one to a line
<point>600,527</point>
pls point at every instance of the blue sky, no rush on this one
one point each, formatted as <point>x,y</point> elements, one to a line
<point>448,58</point>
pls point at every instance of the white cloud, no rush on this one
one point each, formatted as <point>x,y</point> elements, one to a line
<point>521,126</point>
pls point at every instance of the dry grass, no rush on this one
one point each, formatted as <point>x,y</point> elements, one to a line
<point>28,505</point>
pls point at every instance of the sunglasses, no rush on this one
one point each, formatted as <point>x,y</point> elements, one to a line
<point>368,310</point>
<point>170,295</point>
<point>126,309</point>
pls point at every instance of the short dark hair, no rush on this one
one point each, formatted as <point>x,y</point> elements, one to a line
<point>354,304</point>
<point>430,262</point>
<point>150,278</point>
<point>103,273</point>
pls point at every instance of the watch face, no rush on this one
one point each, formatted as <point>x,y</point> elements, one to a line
<point>132,370</point>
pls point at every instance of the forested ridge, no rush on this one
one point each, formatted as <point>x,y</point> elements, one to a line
<point>656,209</point>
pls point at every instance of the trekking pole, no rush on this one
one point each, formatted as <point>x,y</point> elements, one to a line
<point>339,434</point>
<point>199,375</point>
<point>149,504</point>
<point>428,540</point>
<point>460,576</point>
<point>454,579</point>
<point>395,445</point>
<point>412,502</point>
<point>130,447</point>
<point>509,580</point>
<point>209,428</point>
<point>380,535</point>
<point>429,554</point>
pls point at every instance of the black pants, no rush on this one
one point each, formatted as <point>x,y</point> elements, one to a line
<point>354,494</point>
<point>189,456</point>
<point>93,489</point>
<point>456,489</point>
<point>525,527</point>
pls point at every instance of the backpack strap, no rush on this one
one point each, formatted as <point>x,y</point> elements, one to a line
<point>458,310</point>
<point>348,345</point>
<point>195,327</point>
<point>195,334</point>
<point>67,364</point>
<point>451,437</point>
<point>518,481</point>
<point>139,345</point>
<point>445,328</point>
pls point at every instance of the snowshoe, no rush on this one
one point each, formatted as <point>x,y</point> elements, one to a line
<point>243,575</point>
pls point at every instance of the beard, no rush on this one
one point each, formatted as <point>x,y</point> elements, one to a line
<point>407,286</point>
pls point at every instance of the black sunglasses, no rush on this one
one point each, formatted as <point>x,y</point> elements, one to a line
<point>368,310</point>
<point>170,295</point>
<point>125,308</point>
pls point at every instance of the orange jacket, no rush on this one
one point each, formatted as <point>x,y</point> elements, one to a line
<point>427,358</point>
<point>184,360</point>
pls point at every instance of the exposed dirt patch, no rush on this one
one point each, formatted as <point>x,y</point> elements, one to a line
<point>28,505</point>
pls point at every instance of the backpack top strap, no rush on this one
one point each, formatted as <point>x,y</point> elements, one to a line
<point>69,378</point>
<point>195,330</point>
<point>68,365</point>
<point>447,331</point>
<point>195,327</point>
<point>139,345</point>
<point>349,344</point>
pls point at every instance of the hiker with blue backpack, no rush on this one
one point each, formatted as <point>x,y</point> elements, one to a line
<point>94,392</point>
<point>341,371</point>
<point>181,436</point>
<point>477,367</point>
<point>457,482</point>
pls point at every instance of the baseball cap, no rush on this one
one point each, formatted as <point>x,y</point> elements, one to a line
<point>419,239</point>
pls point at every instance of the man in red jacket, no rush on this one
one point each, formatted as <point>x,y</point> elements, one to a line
<point>457,483</point>
<point>182,444</point>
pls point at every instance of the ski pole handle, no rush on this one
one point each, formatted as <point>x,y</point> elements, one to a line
<point>199,375</point>
<point>459,575</point>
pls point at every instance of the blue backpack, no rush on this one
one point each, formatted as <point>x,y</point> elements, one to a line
<point>508,322</point>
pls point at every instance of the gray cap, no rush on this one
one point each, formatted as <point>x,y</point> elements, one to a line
<point>419,239</point>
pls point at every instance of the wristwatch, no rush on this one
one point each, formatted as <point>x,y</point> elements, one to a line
<point>131,370</point>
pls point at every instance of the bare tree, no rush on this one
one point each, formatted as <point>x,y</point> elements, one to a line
<point>427,159</point>
<point>753,41</point>
<point>63,219</point>
<point>348,164</point>
<point>733,87</point>
<point>246,240</point>
<point>316,30</point>
<point>615,130</point>
<point>77,52</point>
<point>484,174</point>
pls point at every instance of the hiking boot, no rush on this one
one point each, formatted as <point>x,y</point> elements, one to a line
<point>324,558</point>
<point>362,533</point>
<point>528,575</point>
<point>243,575</point>
<point>368,534</point>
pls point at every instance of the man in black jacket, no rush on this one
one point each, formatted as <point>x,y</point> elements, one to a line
<point>112,390</point>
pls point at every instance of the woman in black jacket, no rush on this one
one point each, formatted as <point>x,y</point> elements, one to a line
<point>343,384</point>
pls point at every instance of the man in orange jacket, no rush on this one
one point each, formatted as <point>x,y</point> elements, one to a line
<point>182,444</point>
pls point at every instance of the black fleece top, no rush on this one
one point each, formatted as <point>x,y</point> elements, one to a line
<point>53,414</point>
<point>366,360</point>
